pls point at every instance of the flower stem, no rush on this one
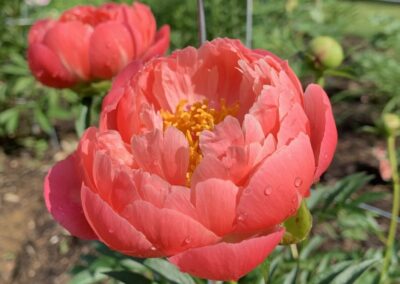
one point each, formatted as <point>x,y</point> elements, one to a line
<point>391,144</point>
<point>249,23</point>
<point>201,21</point>
<point>294,251</point>
<point>87,104</point>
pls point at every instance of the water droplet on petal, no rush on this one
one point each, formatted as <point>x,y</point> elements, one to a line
<point>247,191</point>
<point>268,190</point>
<point>298,182</point>
<point>188,240</point>
<point>241,217</point>
<point>153,248</point>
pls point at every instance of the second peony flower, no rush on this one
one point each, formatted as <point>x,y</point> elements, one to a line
<point>199,157</point>
<point>90,43</point>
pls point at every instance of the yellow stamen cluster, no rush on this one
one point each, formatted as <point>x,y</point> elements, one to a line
<point>192,120</point>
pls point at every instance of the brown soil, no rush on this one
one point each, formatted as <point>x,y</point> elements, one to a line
<point>33,248</point>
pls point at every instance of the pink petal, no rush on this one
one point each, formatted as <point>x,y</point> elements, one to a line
<point>215,201</point>
<point>209,167</point>
<point>142,26</point>
<point>147,151</point>
<point>227,261</point>
<point>178,199</point>
<point>175,156</point>
<point>39,30</point>
<point>165,154</point>
<point>70,41</point>
<point>114,230</point>
<point>275,190</point>
<point>47,67</point>
<point>170,231</point>
<point>62,189</point>
<point>323,129</point>
<point>111,49</point>
<point>252,130</point>
<point>265,109</point>
<point>160,45</point>
<point>294,122</point>
<point>125,75</point>
<point>225,134</point>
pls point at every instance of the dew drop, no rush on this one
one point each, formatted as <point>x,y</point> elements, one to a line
<point>153,248</point>
<point>268,190</point>
<point>247,191</point>
<point>298,182</point>
<point>241,217</point>
<point>188,240</point>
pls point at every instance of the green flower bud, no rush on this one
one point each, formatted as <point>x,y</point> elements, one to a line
<point>391,122</point>
<point>327,52</point>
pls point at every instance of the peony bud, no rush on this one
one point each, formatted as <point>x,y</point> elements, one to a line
<point>391,122</point>
<point>327,52</point>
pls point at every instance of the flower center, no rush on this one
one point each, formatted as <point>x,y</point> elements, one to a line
<point>192,120</point>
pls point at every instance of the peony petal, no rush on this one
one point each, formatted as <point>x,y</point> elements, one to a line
<point>294,122</point>
<point>141,23</point>
<point>62,189</point>
<point>209,167</point>
<point>265,109</point>
<point>160,45</point>
<point>323,128</point>
<point>275,190</point>
<point>175,156</point>
<point>227,261</point>
<point>112,229</point>
<point>226,134</point>
<point>47,67</point>
<point>215,201</point>
<point>252,130</point>
<point>125,75</point>
<point>70,41</point>
<point>170,231</point>
<point>111,48</point>
<point>39,30</point>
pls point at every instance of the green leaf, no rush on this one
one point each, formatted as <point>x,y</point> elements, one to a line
<point>88,277</point>
<point>10,119</point>
<point>42,120</point>
<point>128,277</point>
<point>311,246</point>
<point>23,84</point>
<point>329,274</point>
<point>292,276</point>
<point>168,271</point>
<point>298,226</point>
<point>352,273</point>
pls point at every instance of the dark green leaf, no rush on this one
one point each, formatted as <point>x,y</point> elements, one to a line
<point>128,277</point>
<point>168,271</point>
<point>352,273</point>
<point>42,120</point>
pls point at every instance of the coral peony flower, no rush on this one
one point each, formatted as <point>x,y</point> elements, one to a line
<point>88,43</point>
<point>199,157</point>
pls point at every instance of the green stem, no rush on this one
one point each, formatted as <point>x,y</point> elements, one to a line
<point>294,251</point>
<point>87,104</point>
<point>321,78</point>
<point>391,144</point>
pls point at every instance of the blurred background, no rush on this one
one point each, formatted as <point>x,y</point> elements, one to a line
<point>349,206</point>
